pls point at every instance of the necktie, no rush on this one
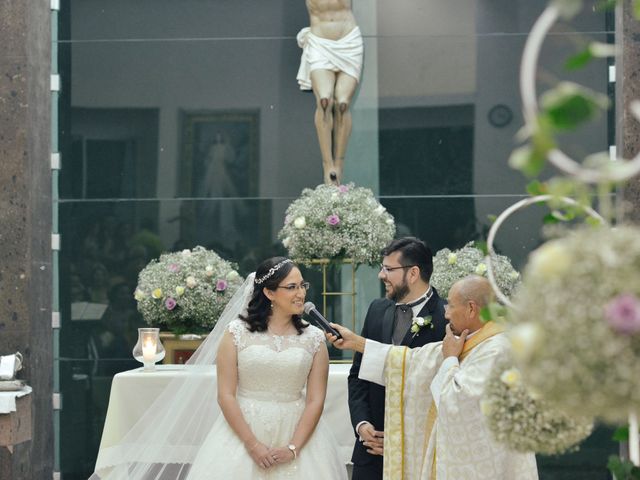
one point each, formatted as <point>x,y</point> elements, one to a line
<point>403,317</point>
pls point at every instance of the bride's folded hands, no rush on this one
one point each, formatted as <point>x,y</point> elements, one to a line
<point>349,340</point>
<point>261,454</point>
<point>282,455</point>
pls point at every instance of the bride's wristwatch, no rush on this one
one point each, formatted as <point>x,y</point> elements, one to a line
<point>292,447</point>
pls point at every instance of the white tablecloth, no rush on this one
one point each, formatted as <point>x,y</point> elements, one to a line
<point>133,391</point>
<point>8,399</point>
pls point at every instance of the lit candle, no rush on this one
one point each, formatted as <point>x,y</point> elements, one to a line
<point>149,351</point>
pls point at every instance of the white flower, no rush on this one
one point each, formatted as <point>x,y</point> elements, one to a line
<point>452,259</point>
<point>419,322</point>
<point>485,407</point>
<point>179,290</point>
<point>300,222</point>
<point>138,294</point>
<point>550,260</point>
<point>208,270</point>
<point>481,269</point>
<point>380,210</point>
<point>191,282</point>
<point>186,252</point>
<point>286,242</point>
<point>232,275</point>
<point>389,221</point>
<point>525,338</point>
<point>510,377</point>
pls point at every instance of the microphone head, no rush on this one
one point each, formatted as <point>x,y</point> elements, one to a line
<point>308,306</point>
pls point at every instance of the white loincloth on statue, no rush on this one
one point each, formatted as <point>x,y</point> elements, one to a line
<point>343,55</point>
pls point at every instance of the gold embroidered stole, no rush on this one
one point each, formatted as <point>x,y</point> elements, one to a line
<point>394,429</point>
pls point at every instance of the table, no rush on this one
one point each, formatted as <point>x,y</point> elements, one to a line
<point>15,417</point>
<point>133,391</point>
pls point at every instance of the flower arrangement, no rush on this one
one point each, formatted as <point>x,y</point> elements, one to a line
<point>577,316</point>
<point>186,291</point>
<point>526,423</point>
<point>337,222</point>
<point>450,266</point>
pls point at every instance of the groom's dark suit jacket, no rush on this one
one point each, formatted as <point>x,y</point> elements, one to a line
<point>366,399</point>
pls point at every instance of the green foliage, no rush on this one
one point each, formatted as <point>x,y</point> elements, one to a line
<point>535,188</point>
<point>604,5</point>
<point>493,311</point>
<point>579,60</point>
<point>623,469</point>
<point>569,105</point>
<point>621,434</point>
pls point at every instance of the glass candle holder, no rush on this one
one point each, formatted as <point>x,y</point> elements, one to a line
<point>149,349</point>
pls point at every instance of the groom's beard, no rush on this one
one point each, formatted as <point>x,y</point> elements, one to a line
<point>400,291</point>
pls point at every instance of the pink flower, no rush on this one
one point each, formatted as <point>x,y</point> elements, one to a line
<point>173,267</point>
<point>170,303</point>
<point>343,189</point>
<point>221,285</point>
<point>333,220</point>
<point>623,314</point>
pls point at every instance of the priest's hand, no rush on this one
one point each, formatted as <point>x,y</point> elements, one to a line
<point>372,439</point>
<point>452,345</point>
<point>349,340</point>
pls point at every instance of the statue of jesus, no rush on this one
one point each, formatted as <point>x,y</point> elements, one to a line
<point>331,65</point>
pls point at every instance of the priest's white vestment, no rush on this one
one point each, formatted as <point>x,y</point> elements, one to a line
<point>434,429</point>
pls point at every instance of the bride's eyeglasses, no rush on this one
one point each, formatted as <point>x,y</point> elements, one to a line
<point>292,286</point>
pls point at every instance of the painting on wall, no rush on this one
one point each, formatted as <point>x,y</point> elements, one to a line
<point>219,181</point>
<point>220,154</point>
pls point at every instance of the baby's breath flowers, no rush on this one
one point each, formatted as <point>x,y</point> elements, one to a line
<point>577,316</point>
<point>337,222</point>
<point>526,423</point>
<point>450,266</point>
<point>186,291</point>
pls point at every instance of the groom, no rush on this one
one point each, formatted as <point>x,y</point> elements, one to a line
<point>406,270</point>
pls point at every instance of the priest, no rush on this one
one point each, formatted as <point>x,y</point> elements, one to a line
<point>434,428</point>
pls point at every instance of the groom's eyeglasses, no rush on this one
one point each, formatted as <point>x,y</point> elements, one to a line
<point>385,269</point>
<point>292,286</point>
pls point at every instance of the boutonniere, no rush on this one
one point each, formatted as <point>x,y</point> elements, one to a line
<point>418,323</point>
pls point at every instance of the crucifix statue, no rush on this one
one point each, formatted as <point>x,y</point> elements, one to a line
<point>331,65</point>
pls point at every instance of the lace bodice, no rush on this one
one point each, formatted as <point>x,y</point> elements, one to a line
<point>274,367</point>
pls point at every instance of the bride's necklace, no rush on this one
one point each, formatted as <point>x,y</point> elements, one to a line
<point>287,330</point>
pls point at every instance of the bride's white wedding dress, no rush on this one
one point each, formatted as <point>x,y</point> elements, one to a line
<point>272,374</point>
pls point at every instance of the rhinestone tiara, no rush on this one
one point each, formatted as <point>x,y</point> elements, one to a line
<point>271,271</point>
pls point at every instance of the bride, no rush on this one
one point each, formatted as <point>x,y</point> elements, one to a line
<point>270,427</point>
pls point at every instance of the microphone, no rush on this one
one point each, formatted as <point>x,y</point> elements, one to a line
<point>310,309</point>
